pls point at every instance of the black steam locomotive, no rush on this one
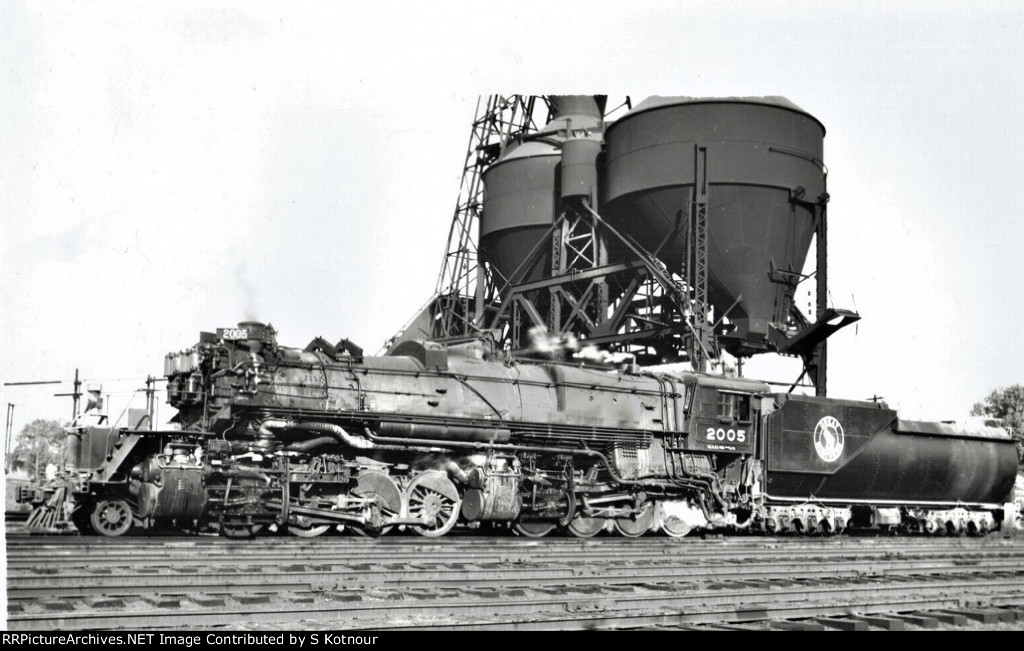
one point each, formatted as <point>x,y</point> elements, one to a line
<point>433,437</point>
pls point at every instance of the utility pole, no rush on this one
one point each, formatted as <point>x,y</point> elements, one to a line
<point>151,400</point>
<point>7,439</point>
<point>9,425</point>
<point>152,404</point>
<point>74,396</point>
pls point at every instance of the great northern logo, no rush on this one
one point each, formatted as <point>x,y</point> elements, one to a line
<point>828,439</point>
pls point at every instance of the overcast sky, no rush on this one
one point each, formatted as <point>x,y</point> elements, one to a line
<point>185,166</point>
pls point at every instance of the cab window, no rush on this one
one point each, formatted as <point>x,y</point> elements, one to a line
<point>734,406</point>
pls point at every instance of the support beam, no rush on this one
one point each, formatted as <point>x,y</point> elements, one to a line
<point>697,269</point>
<point>819,376</point>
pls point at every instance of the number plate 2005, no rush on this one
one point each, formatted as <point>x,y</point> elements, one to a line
<point>709,435</point>
<point>232,334</point>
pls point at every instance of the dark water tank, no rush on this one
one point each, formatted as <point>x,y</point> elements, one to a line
<point>760,152</point>
<point>522,188</point>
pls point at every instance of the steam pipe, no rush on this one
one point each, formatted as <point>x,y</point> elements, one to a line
<point>457,473</point>
<point>338,433</point>
<point>332,430</point>
<point>335,433</point>
<point>311,444</point>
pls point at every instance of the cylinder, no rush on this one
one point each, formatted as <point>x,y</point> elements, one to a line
<point>498,500</point>
<point>579,168</point>
<point>171,491</point>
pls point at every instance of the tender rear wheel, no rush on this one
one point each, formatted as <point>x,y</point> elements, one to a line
<point>111,518</point>
<point>433,497</point>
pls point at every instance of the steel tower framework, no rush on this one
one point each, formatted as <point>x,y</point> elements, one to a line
<point>655,309</point>
<point>636,306</point>
<point>463,289</point>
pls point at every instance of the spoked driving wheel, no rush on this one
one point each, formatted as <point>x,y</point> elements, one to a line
<point>432,497</point>
<point>111,518</point>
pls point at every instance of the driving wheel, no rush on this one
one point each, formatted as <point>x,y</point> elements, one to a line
<point>434,498</point>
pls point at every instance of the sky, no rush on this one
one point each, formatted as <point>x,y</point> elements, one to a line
<point>188,165</point>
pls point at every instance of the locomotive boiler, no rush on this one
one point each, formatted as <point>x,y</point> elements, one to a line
<point>431,437</point>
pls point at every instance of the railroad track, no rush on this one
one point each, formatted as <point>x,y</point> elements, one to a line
<point>478,582</point>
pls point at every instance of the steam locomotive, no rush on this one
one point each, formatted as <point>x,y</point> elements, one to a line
<point>432,437</point>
